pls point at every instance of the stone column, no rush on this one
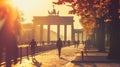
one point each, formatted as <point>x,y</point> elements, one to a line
<point>33,31</point>
<point>41,33</point>
<point>78,36</point>
<point>65,32</point>
<point>58,31</point>
<point>72,33</point>
<point>48,34</point>
<point>82,36</point>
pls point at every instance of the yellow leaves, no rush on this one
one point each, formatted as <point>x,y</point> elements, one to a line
<point>107,20</point>
<point>107,1</point>
<point>89,10</point>
<point>72,12</point>
<point>10,13</point>
<point>76,6</point>
<point>96,5</point>
<point>88,25</point>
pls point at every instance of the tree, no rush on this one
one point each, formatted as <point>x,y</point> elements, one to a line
<point>93,13</point>
<point>100,10</point>
<point>114,31</point>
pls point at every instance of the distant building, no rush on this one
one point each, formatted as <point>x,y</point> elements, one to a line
<point>54,19</point>
<point>37,31</point>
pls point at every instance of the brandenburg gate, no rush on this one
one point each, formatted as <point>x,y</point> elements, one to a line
<point>53,19</point>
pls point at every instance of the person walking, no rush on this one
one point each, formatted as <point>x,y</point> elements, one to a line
<point>68,42</point>
<point>78,42</point>
<point>75,44</point>
<point>33,45</point>
<point>59,46</point>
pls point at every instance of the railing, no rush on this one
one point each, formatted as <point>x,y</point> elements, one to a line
<point>25,51</point>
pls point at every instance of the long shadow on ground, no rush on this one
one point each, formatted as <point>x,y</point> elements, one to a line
<point>36,63</point>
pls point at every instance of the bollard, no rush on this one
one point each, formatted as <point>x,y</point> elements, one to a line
<point>27,54</point>
<point>20,55</point>
<point>82,54</point>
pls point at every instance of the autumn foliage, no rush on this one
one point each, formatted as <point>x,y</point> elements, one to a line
<point>89,10</point>
<point>11,17</point>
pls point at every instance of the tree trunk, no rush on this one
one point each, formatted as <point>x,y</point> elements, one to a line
<point>107,35</point>
<point>101,40</point>
<point>93,39</point>
<point>100,36</point>
<point>114,52</point>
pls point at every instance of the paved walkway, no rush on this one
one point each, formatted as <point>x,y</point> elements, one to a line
<point>71,57</point>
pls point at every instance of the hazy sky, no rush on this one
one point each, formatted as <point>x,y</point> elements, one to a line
<point>40,8</point>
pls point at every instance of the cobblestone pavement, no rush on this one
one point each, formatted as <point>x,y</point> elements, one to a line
<point>70,57</point>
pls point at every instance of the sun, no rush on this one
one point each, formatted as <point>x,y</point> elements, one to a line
<point>31,7</point>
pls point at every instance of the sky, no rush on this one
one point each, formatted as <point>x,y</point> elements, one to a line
<point>32,8</point>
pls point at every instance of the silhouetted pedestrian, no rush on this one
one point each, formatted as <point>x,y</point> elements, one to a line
<point>68,42</point>
<point>87,45</point>
<point>75,43</point>
<point>78,42</point>
<point>9,31</point>
<point>59,46</point>
<point>42,43</point>
<point>83,42</point>
<point>64,43</point>
<point>33,45</point>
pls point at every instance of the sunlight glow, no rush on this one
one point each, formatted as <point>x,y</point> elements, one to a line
<point>26,5</point>
<point>32,8</point>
